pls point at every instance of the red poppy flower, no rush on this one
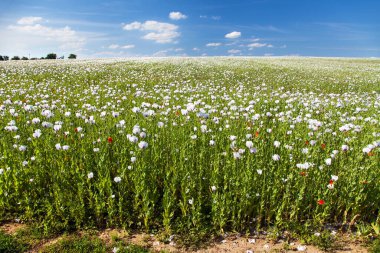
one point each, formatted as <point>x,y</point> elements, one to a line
<point>303,173</point>
<point>76,130</point>
<point>331,181</point>
<point>110,139</point>
<point>306,142</point>
<point>323,146</point>
<point>321,202</point>
<point>257,134</point>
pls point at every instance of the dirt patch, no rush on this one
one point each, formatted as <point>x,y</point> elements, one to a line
<point>233,244</point>
<point>11,228</point>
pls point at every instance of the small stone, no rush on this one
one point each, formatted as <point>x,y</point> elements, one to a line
<point>301,248</point>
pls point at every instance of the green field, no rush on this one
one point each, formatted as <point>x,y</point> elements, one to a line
<point>191,144</point>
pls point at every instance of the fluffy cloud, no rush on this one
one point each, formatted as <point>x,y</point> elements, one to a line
<point>159,32</point>
<point>213,44</point>
<point>31,27</point>
<point>170,52</point>
<point>234,51</point>
<point>212,17</point>
<point>113,46</point>
<point>233,35</point>
<point>29,20</point>
<point>176,15</point>
<point>128,46</point>
<point>116,46</point>
<point>258,45</point>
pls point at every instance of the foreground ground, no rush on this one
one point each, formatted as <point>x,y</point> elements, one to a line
<point>31,240</point>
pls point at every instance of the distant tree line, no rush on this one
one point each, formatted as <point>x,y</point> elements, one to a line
<point>50,56</point>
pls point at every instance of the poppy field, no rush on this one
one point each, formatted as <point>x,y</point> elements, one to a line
<point>179,144</point>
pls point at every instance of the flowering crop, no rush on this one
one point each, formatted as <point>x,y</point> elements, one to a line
<point>188,143</point>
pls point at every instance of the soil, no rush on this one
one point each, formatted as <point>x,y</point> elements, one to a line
<point>233,244</point>
<point>11,228</point>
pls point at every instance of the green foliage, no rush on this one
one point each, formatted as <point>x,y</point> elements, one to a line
<point>15,58</point>
<point>86,243</point>
<point>9,244</point>
<point>76,244</point>
<point>375,248</point>
<point>324,241</point>
<point>72,56</point>
<point>51,56</point>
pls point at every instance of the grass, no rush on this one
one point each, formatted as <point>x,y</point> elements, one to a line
<point>9,244</point>
<point>375,246</point>
<point>74,244</point>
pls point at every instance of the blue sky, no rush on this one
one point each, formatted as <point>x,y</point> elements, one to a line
<point>115,28</point>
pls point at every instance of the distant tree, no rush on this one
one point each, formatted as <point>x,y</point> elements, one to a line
<point>6,58</point>
<point>42,58</point>
<point>15,58</point>
<point>24,58</point>
<point>1,58</point>
<point>72,56</point>
<point>51,56</point>
<point>34,58</point>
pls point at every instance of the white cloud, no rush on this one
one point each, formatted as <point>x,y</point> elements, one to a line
<point>213,44</point>
<point>170,52</point>
<point>212,17</point>
<point>233,35</point>
<point>133,26</point>
<point>161,53</point>
<point>116,46</point>
<point>195,49</point>
<point>113,46</point>
<point>176,15</point>
<point>162,37</point>
<point>128,46</point>
<point>29,28</point>
<point>257,45</point>
<point>29,20</point>
<point>234,51</point>
<point>255,40</point>
<point>160,32</point>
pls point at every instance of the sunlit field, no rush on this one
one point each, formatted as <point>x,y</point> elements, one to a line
<point>190,144</point>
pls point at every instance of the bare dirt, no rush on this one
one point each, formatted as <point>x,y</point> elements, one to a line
<point>233,243</point>
<point>11,228</point>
